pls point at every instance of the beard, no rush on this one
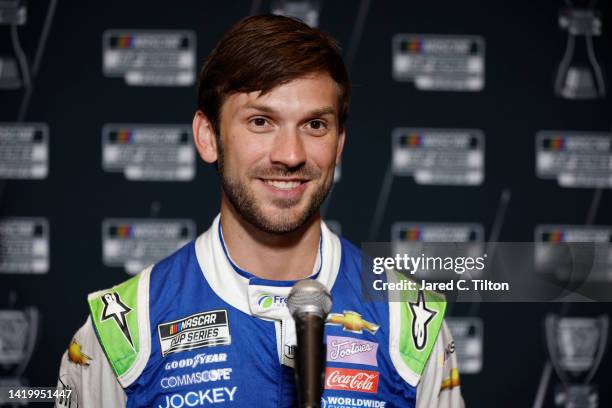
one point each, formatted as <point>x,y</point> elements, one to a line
<point>244,201</point>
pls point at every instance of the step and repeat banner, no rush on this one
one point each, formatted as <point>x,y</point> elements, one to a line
<point>473,122</point>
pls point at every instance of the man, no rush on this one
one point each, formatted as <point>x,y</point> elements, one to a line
<point>209,324</point>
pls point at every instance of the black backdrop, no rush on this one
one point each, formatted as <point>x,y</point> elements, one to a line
<point>523,48</point>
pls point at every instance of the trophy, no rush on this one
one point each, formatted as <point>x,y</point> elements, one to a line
<point>579,75</point>
<point>576,346</point>
<point>12,13</point>
<point>18,333</point>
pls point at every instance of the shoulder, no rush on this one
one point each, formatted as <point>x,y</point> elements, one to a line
<point>440,385</point>
<point>85,370</point>
<point>120,317</point>
<point>416,321</point>
<point>415,317</point>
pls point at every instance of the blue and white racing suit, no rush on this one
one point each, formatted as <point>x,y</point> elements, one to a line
<point>197,330</point>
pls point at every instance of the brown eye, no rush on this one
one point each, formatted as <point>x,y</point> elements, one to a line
<point>259,122</point>
<point>317,124</point>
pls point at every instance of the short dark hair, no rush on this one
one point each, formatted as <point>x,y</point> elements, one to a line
<point>261,52</point>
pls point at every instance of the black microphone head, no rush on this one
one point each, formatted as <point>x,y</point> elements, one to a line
<point>309,296</point>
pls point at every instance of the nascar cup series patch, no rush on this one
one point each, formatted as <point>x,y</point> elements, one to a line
<point>205,329</point>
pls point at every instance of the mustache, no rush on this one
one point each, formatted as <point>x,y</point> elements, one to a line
<point>305,171</point>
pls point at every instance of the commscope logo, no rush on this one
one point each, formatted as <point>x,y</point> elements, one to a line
<point>205,376</point>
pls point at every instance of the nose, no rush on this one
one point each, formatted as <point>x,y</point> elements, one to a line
<point>288,149</point>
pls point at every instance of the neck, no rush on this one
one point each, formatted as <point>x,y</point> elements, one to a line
<point>287,256</point>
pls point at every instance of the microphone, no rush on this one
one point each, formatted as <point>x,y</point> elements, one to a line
<point>309,302</point>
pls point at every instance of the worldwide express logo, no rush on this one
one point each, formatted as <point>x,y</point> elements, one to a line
<point>268,301</point>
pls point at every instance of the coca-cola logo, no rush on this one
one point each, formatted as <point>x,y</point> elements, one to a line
<point>351,380</point>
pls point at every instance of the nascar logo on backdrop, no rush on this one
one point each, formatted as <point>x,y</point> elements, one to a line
<point>439,156</point>
<point>24,150</point>
<point>137,243</point>
<point>408,238</point>
<point>13,13</point>
<point>150,57</point>
<point>440,62</point>
<point>307,11</point>
<point>550,253</point>
<point>149,152</point>
<point>575,159</point>
<point>24,245</point>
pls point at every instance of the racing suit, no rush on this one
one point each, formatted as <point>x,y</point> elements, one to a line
<point>197,330</point>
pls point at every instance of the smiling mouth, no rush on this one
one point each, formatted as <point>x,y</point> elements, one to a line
<point>284,184</point>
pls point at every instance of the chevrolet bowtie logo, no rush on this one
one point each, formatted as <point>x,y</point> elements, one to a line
<point>76,355</point>
<point>352,322</point>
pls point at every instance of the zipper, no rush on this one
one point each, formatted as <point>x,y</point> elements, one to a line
<point>279,350</point>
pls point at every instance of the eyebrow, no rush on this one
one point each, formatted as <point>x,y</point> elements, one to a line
<point>316,112</point>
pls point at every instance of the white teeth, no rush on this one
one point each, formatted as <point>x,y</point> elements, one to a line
<point>283,185</point>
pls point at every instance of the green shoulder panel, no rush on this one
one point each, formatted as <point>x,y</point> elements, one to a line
<point>416,318</point>
<point>422,315</point>
<point>115,317</point>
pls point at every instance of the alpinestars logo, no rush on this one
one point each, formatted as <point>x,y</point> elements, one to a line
<point>114,308</point>
<point>421,317</point>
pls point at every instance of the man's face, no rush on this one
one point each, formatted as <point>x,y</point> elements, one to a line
<point>278,151</point>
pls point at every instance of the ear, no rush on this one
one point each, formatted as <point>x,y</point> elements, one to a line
<point>204,137</point>
<point>341,138</point>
